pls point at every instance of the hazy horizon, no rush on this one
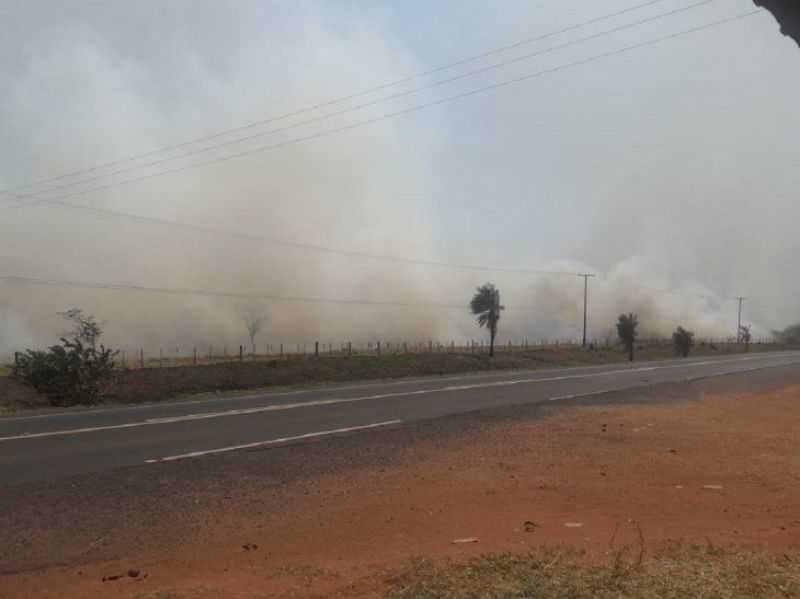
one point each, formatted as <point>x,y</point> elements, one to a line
<point>665,168</point>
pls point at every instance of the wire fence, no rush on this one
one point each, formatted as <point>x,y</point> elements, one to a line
<point>196,355</point>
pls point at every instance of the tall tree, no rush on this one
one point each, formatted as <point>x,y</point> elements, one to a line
<point>626,329</point>
<point>486,306</point>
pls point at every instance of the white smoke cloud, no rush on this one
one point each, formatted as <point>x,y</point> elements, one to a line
<point>677,177</point>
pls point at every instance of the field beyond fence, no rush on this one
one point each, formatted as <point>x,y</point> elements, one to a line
<point>174,355</point>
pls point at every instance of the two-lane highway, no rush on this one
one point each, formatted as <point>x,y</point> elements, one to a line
<point>45,446</point>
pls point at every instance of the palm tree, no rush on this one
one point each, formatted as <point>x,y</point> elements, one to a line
<point>626,329</point>
<point>486,306</point>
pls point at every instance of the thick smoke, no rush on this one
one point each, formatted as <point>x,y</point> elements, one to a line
<point>682,181</point>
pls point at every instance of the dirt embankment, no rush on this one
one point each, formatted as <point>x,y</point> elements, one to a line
<point>710,463</point>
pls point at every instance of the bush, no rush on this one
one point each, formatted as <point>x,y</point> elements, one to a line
<point>683,341</point>
<point>68,374</point>
<point>790,335</point>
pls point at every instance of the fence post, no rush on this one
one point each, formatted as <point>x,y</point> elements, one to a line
<point>378,348</point>
<point>316,349</point>
<point>194,356</point>
<point>241,353</point>
<point>349,349</point>
<point>161,357</point>
<point>225,352</point>
<point>141,356</point>
<point>280,356</point>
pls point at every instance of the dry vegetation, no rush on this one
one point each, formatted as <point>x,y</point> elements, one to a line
<point>688,571</point>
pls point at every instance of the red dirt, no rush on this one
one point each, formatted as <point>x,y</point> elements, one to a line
<point>724,469</point>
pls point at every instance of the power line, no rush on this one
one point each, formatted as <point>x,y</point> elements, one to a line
<point>662,291</point>
<point>409,110</point>
<point>341,99</point>
<point>739,332</point>
<point>376,102</point>
<point>146,220</point>
<point>126,288</point>
<point>586,277</point>
<point>61,283</point>
<point>209,293</point>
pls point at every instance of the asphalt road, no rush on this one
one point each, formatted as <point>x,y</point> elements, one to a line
<point>47,446</point>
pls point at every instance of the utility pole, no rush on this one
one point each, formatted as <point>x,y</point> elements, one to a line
<point>585,302</point>
<point>739,326</point>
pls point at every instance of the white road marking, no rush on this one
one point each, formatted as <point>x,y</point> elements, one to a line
<point>335,388</point>
<point>323,402</point>
<point>350,429</point>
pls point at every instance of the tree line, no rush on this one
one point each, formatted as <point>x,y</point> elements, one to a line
<point>78,369</point>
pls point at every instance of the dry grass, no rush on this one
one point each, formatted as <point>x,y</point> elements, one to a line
<point>703,572</point>
<point>305,571</point>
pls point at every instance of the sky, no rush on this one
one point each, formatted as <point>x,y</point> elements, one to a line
<point>670,167</point>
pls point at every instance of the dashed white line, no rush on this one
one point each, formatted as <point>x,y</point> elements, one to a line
<point>335,431</point>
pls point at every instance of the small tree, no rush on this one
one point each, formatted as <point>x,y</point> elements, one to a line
<point>84,326</point>
<point>626,330</point>
<point>253,320</point>
<point>683,341</point>
<point>486,306</point>
<point>73,372</point>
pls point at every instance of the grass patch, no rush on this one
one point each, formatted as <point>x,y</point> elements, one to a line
<point>149,384</point>
<point>159,594</point>
<point>306,571</point>
<point>695,571</point>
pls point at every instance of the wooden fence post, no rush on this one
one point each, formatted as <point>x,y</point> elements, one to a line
<point>316,349</point>
<point>241,352</point>
<point>281,354</point>
<point>194,356</point>
<point>141,357</point>
<point>349,349</point>
<point>378,348</point>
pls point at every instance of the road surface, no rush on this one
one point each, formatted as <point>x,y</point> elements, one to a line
<point>47,446</point>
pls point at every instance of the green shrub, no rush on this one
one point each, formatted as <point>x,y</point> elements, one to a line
<point>68,374</point>
<point>683,341</point>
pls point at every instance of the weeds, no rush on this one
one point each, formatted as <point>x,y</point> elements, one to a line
<point>693,571</point>
<point>306,571</point>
